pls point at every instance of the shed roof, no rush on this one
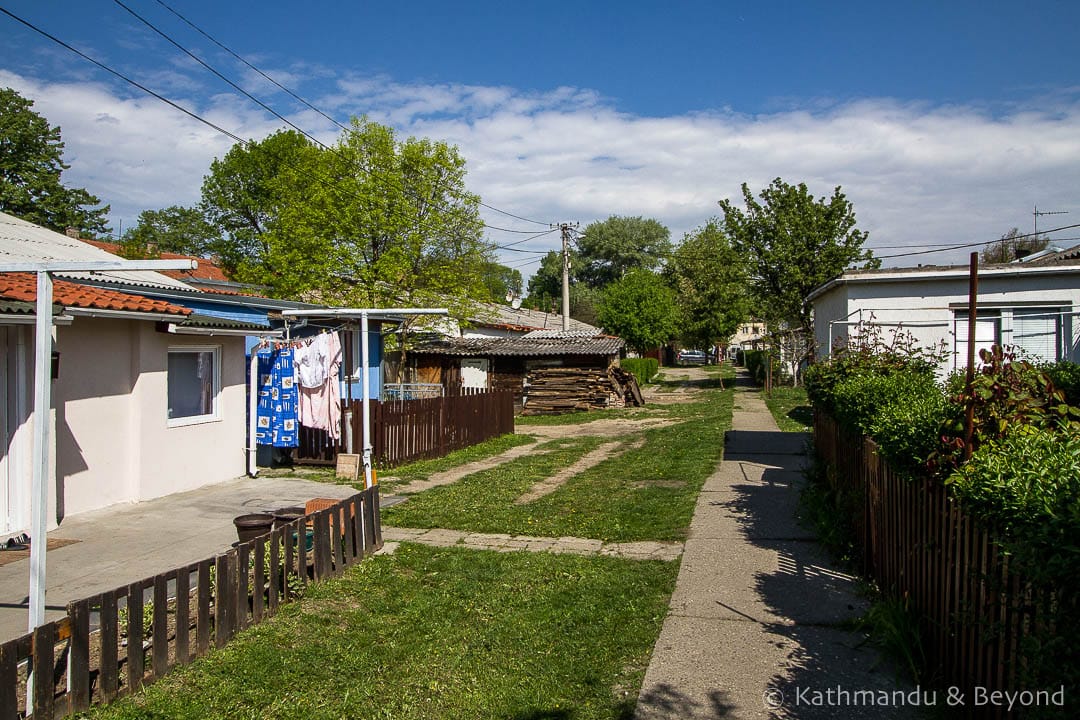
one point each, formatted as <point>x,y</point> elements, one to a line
<point>22,241</point>
<point>521,346</point>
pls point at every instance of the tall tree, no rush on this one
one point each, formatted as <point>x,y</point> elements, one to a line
<point>1013,245</point>
<point>712,286</point>
<point>500,280</point>
<point>607,250</point>
<point>640,308</point>
<point>792,243</point>
<point>545,285</point>
<point>244,195</point>
<point>31,163</point>
<point>174,229</point>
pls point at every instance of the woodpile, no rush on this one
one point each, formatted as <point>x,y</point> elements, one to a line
<point>558,390</point>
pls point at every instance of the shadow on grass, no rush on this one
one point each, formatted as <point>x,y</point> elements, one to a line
<point>803,414</point>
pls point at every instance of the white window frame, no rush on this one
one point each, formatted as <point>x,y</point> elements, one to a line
<point>215,413</point>
<point>1003,317</point>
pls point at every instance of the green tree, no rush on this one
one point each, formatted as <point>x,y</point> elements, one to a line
<point>545,285</point>
<point>31,163</point>
<point>711,282</point>
<point>1013,245</point>
<point>793,243</point>
<point>640,308</point>
<point>500,280</point>
<point>174,229</point>
<point>374,221</point>
<point>607,250</point>
<point>244,194</point>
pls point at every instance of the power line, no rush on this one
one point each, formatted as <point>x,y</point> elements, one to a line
<point>975,244</point>
<point>507,246</point>
<point>241,59</point>
<point>283,88</point>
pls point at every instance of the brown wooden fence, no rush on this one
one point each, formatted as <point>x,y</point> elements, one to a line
<point>919,544</point>
<point>406,430</point>
<point>190,609</point>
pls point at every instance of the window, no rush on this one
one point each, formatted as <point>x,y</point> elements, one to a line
<point>194,382</point>
<point>1036,332</point>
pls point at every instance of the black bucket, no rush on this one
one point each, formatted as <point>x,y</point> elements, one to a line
<point>249,527</point>
<point>286,515</point>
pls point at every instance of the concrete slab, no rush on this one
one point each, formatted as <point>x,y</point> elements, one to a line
<point>734,669</point>
<point>125,543</point>
<point>774,582</point>
<point>749,511</point>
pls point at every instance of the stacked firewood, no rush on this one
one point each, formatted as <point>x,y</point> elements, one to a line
<point>554,391</point>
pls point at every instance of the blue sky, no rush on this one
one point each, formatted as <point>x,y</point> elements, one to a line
<point>945,122</point>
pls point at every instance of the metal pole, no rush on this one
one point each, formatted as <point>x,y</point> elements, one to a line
<point>253,411</point>
<point>365,395</point>
<point>973,293</point>
<point>40,492</point>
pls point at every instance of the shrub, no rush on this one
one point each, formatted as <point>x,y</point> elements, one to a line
<point>644,369</point>
<point>755,365</point>
<point>907,429</point>
<point>1066,377</point>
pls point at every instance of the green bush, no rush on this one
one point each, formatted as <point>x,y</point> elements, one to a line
<point>1027,487</point>
<point>907,429</point>
<point>755,365</point>
<point>644,369</point>
<point>1066,377</point>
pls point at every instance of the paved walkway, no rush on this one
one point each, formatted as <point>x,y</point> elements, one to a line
<point>756,623</point>
<point>125,543</point>
<point>646,550</point>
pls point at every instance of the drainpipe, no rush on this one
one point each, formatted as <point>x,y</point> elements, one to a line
<point>253,409</point>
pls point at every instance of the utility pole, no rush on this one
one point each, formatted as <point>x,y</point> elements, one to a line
<point>565,228</point>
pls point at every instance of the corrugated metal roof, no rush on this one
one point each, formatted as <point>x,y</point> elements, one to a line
<point>520,346</point>
<point>21,241</point>
<point>523,318</point>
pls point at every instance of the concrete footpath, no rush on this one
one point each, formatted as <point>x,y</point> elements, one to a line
<point>124,543</point>
<point>756,627</point>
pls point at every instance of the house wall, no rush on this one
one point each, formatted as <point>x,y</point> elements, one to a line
<point>113,442</point>
<point>927,306</point>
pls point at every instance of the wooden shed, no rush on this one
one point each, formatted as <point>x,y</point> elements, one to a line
<point>548,371</point>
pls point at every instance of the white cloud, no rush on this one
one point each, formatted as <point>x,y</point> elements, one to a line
<point>917,174</point>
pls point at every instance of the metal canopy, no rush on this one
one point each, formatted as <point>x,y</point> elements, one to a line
<point>364,315</point>
<point>39,496</point>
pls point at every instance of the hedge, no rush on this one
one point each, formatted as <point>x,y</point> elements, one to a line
<point>644,369</point>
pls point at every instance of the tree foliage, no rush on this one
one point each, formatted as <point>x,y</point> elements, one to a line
<point>31,163</point>
<point>500,280</point>
<point>793,243</point>
<point>712,286</point>
<point>373,221</point>
<point>174,229</point>
<point>640,308</point>
<point>1013,245</point>
<point>608,249</point>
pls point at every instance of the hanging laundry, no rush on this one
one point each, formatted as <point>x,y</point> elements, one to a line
<point>320,402</point>
<point>276,410</point>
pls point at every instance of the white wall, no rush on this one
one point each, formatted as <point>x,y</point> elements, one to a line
<point>926,306</point>
<point>112,437</point>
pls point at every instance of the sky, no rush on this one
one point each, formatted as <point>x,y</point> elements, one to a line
<point>944,123</point>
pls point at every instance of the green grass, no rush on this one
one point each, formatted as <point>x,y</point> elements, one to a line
<point>437,633</point>
<point>576,418</point>
<point>423,468</point>
<point>791,408</point>
<point>644,494</point>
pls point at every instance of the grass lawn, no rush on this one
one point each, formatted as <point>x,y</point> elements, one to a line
<point>437,633</point>
<point>646,493</point>
<point>791,408</point>
<point>423,468</point>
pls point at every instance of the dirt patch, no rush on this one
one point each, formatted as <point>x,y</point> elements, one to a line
<point>598,428</point>
<point>10,556</point>
<point>455,474</point>
<point>588,460</point>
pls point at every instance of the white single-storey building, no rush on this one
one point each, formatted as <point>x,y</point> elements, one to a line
<point>1030,306</point>
<point>140,407</point>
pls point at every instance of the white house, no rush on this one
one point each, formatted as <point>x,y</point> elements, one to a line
<point>148,397</point>
<point>1032,306</point>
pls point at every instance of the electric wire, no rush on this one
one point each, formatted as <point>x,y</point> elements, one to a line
<point>276,84</point>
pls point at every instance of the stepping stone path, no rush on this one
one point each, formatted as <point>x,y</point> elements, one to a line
<point>502,542</point>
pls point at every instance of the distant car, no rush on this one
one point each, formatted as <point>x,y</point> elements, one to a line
<point>692,357</point>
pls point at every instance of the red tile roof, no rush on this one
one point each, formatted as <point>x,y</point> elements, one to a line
<point>23,287</point>
<point>207,269</point>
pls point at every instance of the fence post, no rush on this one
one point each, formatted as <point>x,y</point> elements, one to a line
<point>78,655</point>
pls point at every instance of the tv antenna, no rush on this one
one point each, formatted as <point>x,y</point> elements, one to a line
<point>1038,213</point>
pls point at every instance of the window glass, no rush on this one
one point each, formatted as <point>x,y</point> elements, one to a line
<point>987,334</point>
<point>1036,332</point>
<point>192,383</point>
